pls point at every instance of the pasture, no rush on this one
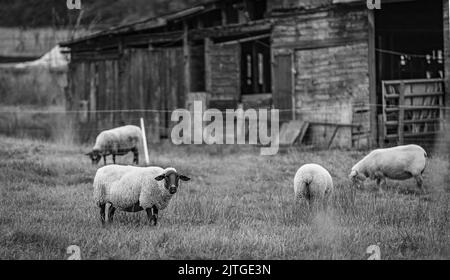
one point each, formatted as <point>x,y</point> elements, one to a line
<point>238,205</point>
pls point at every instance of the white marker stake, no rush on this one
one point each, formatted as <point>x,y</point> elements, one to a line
<point>144,140</point>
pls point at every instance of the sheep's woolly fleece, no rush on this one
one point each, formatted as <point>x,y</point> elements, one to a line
<point>401,162</point>
<point>122,138</point>
<point>312,181</point>
<point>130,185</point>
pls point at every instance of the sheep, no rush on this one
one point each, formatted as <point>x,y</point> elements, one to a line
<point>133,189</point>
<point>314,183</point>
<point>116,141</point>
<point>397,163</point>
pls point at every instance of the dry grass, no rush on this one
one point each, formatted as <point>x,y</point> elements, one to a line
<point>238,206</point>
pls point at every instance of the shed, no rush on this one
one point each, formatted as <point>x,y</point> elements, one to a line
<point>359,76</point>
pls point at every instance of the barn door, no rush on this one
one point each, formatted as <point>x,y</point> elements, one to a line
<point>223,78</point>
<point>168,82</point>
<point>283,78</point>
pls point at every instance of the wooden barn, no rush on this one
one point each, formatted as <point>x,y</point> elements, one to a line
<point>341,74</point>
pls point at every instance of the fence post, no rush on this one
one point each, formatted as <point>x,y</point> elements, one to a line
<point>401,114</point>
<point>144,142</point>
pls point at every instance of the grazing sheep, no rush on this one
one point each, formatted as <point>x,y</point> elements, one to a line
<point>313,182</point>
<point>133,189</point>
<point>116,141</point>
<point>397,163</point>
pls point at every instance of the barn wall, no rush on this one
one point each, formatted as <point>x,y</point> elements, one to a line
<point>197,68</point>
<point>225,72</point>
<point>106,93</point>
<point>292,4</point>
<point>331,62</point>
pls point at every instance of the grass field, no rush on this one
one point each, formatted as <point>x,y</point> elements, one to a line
<point>238,205</point>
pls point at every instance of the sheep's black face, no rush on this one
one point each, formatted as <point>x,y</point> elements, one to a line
<point>357,178</point>
<point>94,156</point>
<point>172,181</point>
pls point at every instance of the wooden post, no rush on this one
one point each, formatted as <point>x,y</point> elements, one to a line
<point>144,143</point>
<point>187,59</point>
<point>207,42</point>
<point>372,79</point>
<point>401,114</point>
<point>223,14</point>
<point>293,75</point>
<point>380,131</point>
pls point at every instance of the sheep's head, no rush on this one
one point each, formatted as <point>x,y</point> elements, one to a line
<point>172,179</point>
<point>95,156</point>
<point>357,178</point>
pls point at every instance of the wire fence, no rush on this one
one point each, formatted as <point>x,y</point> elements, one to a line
<point>84,125</point>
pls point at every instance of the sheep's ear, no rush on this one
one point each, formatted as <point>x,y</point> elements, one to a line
<point>160,177</point>
<point>184,178</point>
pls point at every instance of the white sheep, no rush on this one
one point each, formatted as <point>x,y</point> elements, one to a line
<point>397,163</point>
<point>116,141</point>
<point>314,183</point>
<point>133,189</point>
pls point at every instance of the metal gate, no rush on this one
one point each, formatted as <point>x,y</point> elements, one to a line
<point>413,111</point>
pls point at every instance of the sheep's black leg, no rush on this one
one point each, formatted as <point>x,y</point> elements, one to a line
<point>149,215</point>
<point>155,214</point>
<point>419,181</point>
<point>102,213</point>
<point>152,215</point>
<point>111,213</point>
<point>104,160</point>
<point>136,156</point>
<point>114,158</point>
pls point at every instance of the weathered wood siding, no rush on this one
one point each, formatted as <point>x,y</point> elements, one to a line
<point>142,83</point>
<point>197,68</point>
<point>443,139</point>
<point>225,72</point>
<point>331,63</point>
<point>291,4</point>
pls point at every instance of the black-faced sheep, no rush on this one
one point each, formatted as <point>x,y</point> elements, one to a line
<point>117,141</point>
<point>133,189</point>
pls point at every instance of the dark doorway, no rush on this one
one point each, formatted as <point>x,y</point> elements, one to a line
<point>283,79</point>
<point>405,33</point>
<point>255,67</point>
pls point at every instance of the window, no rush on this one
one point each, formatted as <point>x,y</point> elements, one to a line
<point>255,67</point>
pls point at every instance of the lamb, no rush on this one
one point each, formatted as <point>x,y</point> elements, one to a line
<point>314,183</point>
<point>397,163</point>
<point>133,189</point>
<point>116,141</point>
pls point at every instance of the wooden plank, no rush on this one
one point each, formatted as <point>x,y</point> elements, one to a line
<point>231,30</point>
<point>381,131</point>
<point>372,78</point>
<point>186,58</point>
<point>401,114</point>
<point>412,81</point>
<point>415,121</point>
<point>282,80</point>
<point>252,38</point>
<point>411,108</point>
<point>411,95</point>
<point>207,43</point>
<point>302,44</point>
<point>290,132</point>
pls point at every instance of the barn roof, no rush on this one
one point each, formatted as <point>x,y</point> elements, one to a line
<point>145,24</point>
